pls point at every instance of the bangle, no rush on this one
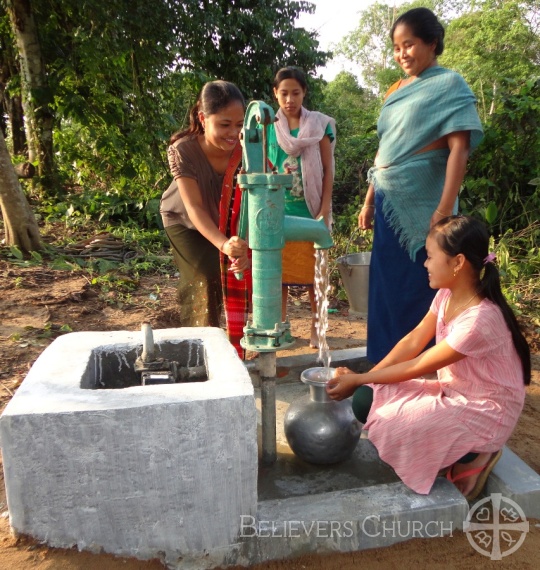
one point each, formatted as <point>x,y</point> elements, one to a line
<point>368,206</point>
<point>441,214</point>
<point>221,246</point>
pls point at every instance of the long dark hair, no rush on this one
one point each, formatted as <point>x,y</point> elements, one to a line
<point>470,237</point>
<point>424,25</point>
<point>214,96</point>
<point>290,73</point>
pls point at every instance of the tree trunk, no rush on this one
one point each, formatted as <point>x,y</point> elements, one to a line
<point>19,221</point>
<point>39,119</point>
<point>16,118</point>
<point>12,104</point>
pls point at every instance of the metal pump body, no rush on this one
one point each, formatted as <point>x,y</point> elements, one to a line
<point>267,227</point>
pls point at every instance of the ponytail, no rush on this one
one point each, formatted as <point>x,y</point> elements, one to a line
<point>490,287</point>
<point>469,236</point>
<point>195,126</point>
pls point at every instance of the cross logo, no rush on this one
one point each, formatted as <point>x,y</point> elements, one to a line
<point>496,526</point>
<point>268,220</point>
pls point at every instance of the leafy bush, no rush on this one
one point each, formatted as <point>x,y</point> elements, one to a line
<point>498,183</point>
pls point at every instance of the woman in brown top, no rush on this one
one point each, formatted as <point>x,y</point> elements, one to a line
<point>204,159</point>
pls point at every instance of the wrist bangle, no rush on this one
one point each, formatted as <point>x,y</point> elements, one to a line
<point>441,214</point>
<point>221,246</point>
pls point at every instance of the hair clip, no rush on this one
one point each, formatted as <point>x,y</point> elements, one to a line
<point>490,257</point>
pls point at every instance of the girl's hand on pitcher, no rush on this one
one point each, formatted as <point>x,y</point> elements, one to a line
<point>343,384</point>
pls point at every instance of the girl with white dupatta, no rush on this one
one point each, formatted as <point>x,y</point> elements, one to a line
<point>302,143</point>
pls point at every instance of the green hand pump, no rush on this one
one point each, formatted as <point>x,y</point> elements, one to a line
<point>264,223</point>
<point>268,228</point>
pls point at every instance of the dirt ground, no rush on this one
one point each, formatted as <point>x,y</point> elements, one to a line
<point>37,305</point>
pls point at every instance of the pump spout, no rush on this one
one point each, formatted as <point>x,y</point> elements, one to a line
<point>296,228</point>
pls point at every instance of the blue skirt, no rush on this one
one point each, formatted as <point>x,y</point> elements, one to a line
<point>399,292</point>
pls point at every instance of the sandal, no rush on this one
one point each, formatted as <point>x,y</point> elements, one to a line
<point>484,470</point>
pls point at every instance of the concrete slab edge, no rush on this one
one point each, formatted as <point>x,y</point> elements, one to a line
<point>360,519</point>
<point>515,480</point>
<point>346,521</point>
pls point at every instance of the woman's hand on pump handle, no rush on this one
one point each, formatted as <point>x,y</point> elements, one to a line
<point>237,250</point>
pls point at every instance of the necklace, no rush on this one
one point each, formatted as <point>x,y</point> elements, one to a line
<point>448,317</point>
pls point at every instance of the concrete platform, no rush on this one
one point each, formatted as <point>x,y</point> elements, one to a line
<point>91,459</point>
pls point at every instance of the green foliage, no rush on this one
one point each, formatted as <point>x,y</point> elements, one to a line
<point>114,288</point>
<point>486,41</point>
<point>348,238</point>
<point>247,41</point>
<point>498,183</point>
<point>123,76</point>
<point>496,46</point>
<point>109,207</point>
<point>370,46</point>
<point>114,281</point>
<point>493,43</point>
<point>49,331</point>
<point>355,110</point>
<point>518,259</point>
<point>17,257</point>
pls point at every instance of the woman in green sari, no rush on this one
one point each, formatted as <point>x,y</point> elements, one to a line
<point>427,128</point>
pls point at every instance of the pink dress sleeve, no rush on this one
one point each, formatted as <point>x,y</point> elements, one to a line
<point>479,331</point>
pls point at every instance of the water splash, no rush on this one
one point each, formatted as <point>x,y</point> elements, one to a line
<point>322,287</point>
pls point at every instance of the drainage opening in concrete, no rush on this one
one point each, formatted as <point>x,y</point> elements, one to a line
<point>112,367</point>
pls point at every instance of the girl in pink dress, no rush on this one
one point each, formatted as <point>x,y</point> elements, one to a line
<point>461,419</point>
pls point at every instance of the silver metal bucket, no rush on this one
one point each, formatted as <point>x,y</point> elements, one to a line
<point>354,271</point>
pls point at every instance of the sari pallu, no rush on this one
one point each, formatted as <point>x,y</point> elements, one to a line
<point>411,193</point>
<point>437,103</point>
<point>236,293</point>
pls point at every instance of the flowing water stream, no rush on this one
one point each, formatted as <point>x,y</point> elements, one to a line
<point>322,286</point>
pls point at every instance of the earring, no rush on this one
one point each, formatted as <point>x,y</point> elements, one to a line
<point>456,271</point>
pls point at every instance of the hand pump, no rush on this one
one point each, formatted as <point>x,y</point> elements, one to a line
<point>267,228</point>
